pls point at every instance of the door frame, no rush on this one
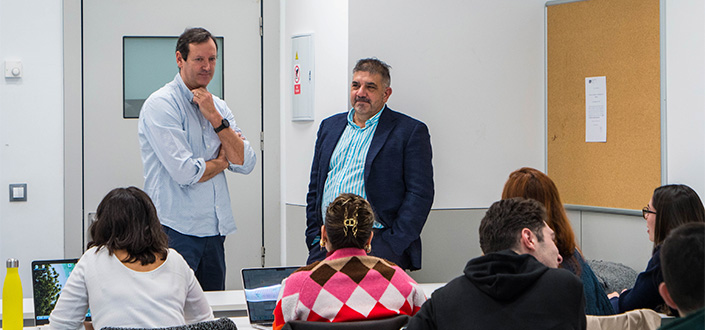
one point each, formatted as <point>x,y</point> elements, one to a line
<point>74,208</point>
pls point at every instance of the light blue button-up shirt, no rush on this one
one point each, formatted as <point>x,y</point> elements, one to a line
<point>176,141</point>
<point>346,172</point>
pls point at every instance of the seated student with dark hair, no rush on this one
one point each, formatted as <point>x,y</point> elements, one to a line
<point>683,269</point>
<point>670,207</point>
<point>129,277</point>
<point>515,285</point>
<point>348,285</point>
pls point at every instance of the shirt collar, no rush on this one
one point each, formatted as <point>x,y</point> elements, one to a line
<point>346,252</point>
<point>370,122</point>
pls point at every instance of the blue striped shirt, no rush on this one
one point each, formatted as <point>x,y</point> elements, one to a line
<point>346,171</point>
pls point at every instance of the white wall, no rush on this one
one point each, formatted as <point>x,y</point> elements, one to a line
<point>614,237</point>
<point>473,71</point>
<point>685,96</point>
<point>31,134</point>
<point>328,21</point>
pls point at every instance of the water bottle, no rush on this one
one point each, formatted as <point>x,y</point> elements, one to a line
<point>12,297</point>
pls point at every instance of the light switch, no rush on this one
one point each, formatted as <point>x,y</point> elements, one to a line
<point>13,69</point>
<point>18,192</point>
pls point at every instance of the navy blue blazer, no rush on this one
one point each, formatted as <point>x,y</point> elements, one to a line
<point>398,182</point>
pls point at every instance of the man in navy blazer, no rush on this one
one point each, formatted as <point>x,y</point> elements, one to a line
<point>381,155</point>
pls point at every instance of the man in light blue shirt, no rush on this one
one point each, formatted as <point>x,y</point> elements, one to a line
<point>188,137</point>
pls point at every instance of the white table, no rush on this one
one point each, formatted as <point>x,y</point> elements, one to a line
<point>220,301</point>
<point>242,322</point>
<point>27,309</point>
<point>428,288</point>
<point>229,303</point>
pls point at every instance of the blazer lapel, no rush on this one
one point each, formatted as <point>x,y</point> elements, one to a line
<point>386,124</point>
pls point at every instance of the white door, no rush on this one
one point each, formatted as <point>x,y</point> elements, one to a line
<point>111,148</point>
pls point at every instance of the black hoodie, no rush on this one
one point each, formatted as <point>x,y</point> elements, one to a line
<point>505,290</point>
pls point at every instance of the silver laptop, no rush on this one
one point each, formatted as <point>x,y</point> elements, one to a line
<point>48,279</point>
<point>261,286</point>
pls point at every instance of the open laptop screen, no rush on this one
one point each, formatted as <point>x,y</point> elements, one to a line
<point>48,279</point>
<point>261,286</point>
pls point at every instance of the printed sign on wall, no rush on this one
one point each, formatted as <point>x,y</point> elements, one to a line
<point>302,64</point>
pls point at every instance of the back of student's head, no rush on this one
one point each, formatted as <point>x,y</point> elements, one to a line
<point>126,219</point>
<point>501,227</point>
<point>675,204</point>
<point>349,221</point>
<point>683,266</point>
<point>531,183</point>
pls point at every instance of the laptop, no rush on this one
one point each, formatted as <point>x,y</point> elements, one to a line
<point>48,279</point>
<point>261,286</point>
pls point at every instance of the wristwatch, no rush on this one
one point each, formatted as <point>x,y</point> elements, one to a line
<point>223,125</point>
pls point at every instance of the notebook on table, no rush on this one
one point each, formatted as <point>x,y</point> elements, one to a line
<point>48,279</point>
<point>261,286</point>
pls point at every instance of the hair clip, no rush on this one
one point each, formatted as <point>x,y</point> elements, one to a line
<point>349,222</point>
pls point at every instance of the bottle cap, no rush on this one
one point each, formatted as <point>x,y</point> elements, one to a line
<point>12,263</point>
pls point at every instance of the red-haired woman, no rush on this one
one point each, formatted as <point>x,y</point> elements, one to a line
<point>531,183</point>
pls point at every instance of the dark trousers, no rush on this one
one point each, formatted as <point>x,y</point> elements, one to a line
<point>205,255</point>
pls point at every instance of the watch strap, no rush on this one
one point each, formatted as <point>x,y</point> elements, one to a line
<point>223,125</point>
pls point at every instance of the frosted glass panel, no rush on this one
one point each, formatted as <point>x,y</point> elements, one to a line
<point>150,63</point>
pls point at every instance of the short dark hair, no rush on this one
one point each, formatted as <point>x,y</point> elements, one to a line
<point>127,220</point>
<point>193,36</point>
<point>344,234</point>
<point>683,267</point>
<point>374,66</point>
<point>675,204</point>
<point>501,227</point>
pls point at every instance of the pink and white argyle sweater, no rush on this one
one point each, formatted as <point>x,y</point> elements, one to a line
<point>348,285</point>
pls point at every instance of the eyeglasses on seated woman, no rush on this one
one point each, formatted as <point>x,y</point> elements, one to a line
<point>670,207</point>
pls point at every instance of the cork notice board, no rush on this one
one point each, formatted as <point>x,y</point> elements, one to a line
<point>618,39</point>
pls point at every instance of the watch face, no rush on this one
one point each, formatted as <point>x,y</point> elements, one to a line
<point>223,125</point>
